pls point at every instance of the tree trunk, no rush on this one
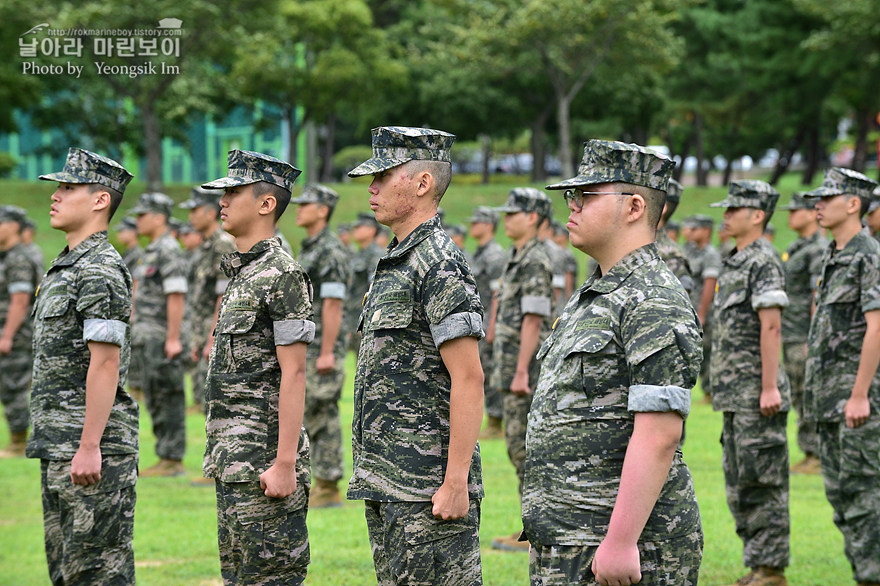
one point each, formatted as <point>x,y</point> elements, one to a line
<point>153,146</point>
<point>785,157</point>
<point>702,174</point>
<point>327,166</point>
<point>563,119</point>
<point>728,169</point>
<point>539,148</point>
<point>863,123</point>
<point>289,114</point>
<point>486,150</point>
<point>812,160</point>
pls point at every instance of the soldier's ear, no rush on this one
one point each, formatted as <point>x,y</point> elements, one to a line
<point>267,206</point>
<point>102,200</point>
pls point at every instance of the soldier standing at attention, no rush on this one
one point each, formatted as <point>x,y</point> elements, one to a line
<point>363,269</point>
<point>749,387</point>
<point>126,234</point>
<point>418,390</point>
<point>325,259</point>
<point>85,426</point>
<point>521,319</point>
<point>34,251</point>
<point>488,264</point>
<point>607,497</point>
<point>670,251</point>
<point>208,281</point>
<point>842,391</point>
<point>257,449</point>
<point>802,262</point>
<point>872,217</point>
<point>19,278</point>
<point>159,291</point>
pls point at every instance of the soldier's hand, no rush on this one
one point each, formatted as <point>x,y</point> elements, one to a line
<point>771,402</point>
<point>857,411</point>
<point>617,564</point>
<point>450,502</point>
<point>279,480</point>
<point>325,363</point>
<point>520,384</point>
<point>206,351</point>
<point>5,346</point>
<point>85,468</point>
<point>194,355</point>
<point>173,348</point>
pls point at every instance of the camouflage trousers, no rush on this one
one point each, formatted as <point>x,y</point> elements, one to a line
<point>851,471</point>
<point>516,420</point>
<point>795,363</point>
<point>705,381</point>
<point>412,547</point>
<point>321,418</point>
<point>199,376</point>
<point>15,384</point>
<point>673,562</point>
<point>755,462</point>
<point>164,395</point>
<point>491,395</point>
<point>89,529</point>
<point>263,541</point>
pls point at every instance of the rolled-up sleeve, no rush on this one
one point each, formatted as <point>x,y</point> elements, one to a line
<point>457,325</point>
<point>174,285</point>
<point>292,331</point>
<point>220,286</point>
<point>659,399</point>
<point>108,331</point>
<point>20,287</point>
<point>332,291</point>
<point>538,305</point>
<point>770,299</point>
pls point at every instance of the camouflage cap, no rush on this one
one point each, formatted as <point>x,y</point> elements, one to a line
<point>183,227</point>
<point>525,199</point>
<point>456,230</point>
<point>875,200</point>
<point>395,145</point>
<point>799,202</point>
<point>176,225</point>
<point>366,219</point>
<point>317,193</point>
<point>29,223</point>
<point>698,221</point>
<point>153,202</point>
<point>126,223</point>
<point>672,225</point>
<point>839,180</point>
<point>483,214</point>
<point>749,193</point>
<point>84,166</point>
<point>673,191</point>
<point>248,167</point>
<point>608,161</point>
<point>10,213</point>
<point>199,196</point>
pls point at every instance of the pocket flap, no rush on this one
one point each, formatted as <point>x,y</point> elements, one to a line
<point>54,306</point>
<point>236,322</point>
<point>390,316</point>
<point>591,341</point>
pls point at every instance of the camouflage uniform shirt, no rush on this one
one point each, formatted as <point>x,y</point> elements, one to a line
<point>84,297</point>
<point>207,283</point>
<point>526,287</point>
<point>18,274</point>
<point>802,262</point>
<point>131,257</point>
<point>751,279</point>
<point>363,268</point>
<point>325,259</point>
<point>675,259</point>
<point>705,263</point>
<point>628,342</point>
<point>849,287</point>
<point>488,265</point>
<point>267,304</point>
<point>422,296</point>
<point>160,272</point>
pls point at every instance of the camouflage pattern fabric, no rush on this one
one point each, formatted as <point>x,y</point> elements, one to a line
<point>363,267</point>
<point>248,167</point>
<point>411,546</point>
<point>84,296</point>
<point>423,295</point>
<point>17,275</point>
<point>262,541</point>
<point>396,145</point>
<point>851,472</point>
<point>557,265</point>
<point>35,253</point>
<point>749,193</point>
<point>515,414</point>
<point>755,462</point>
<point>285,245</point>
<point>131,257</point>
<point>848,288</point>
<point>705,263</point>
<point>156,203</point>
<point>525,199</point>
<point>676,561</point>
<point>751,279</point>
<point>802,263</point>
<point>84,166</point>
<point>607,161</point>
<point>795,363</point>
<point>627,342</point>
<point>488,265</point>
<point>324,258</point>
<point>161,272</point>
<point>317,193</point>
<point>839,180</point>
<point>267,304</point>
<point>89,529</point>
<point>671,253</point>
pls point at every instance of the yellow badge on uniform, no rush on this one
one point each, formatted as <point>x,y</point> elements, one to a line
<point>785,256</point>
<point>716,286</point>
<point>554,323</point>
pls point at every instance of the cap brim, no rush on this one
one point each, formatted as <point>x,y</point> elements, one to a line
<point>508,209</point>
<point>376,165</point>
<point>727,203</point>
<point>62,177</point>
<point>137,210</point>
<point>822,192</point>
<point>189,204</point>
<point>303,199</point>
<point>578,181</point>
<point>225,182</point>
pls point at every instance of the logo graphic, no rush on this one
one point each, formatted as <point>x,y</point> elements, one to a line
<point>37,29</point>
<point>170,23</point>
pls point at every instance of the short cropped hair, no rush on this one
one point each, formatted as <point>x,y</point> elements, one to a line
<point>655,199</point>
<point>440,170</point>
<point>282,196</point>
<point>115,196</point>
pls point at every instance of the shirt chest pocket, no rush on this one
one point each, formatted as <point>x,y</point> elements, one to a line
<point>239,341</point>
<point>51,307</point>
<point>594,361</point>
<point>734,298</point>
<point>842,289</point>
<point>395,343</point>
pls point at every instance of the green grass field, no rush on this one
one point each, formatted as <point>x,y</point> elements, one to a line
<point>175,527</point>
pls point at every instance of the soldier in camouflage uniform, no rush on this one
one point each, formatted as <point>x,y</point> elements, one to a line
<point>207,282</point>
<point>557,259</point>
<point>257,449</point>
<point>19,279</point>
<point>363,269</point>
<point>126,234</point>
<point>705,262</point>
<point>842,390</point>
<point>802,262</point>
<point>560,236</point>
<point>418,391</point>
<point>325,259</point>
<point>749,387</point>
<point>521,319</point>
<point>488,264</point>
<point>34,251</point>
<point>670,251</point>
<point>872,217</point>
<point>156,332</point>
<point>607,496</point>
<point>85,426</point>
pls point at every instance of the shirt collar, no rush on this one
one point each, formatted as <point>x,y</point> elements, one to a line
<point>233,262</point>
<point>69,257</point>
<point>622,270</point>
<point>397,250</point>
